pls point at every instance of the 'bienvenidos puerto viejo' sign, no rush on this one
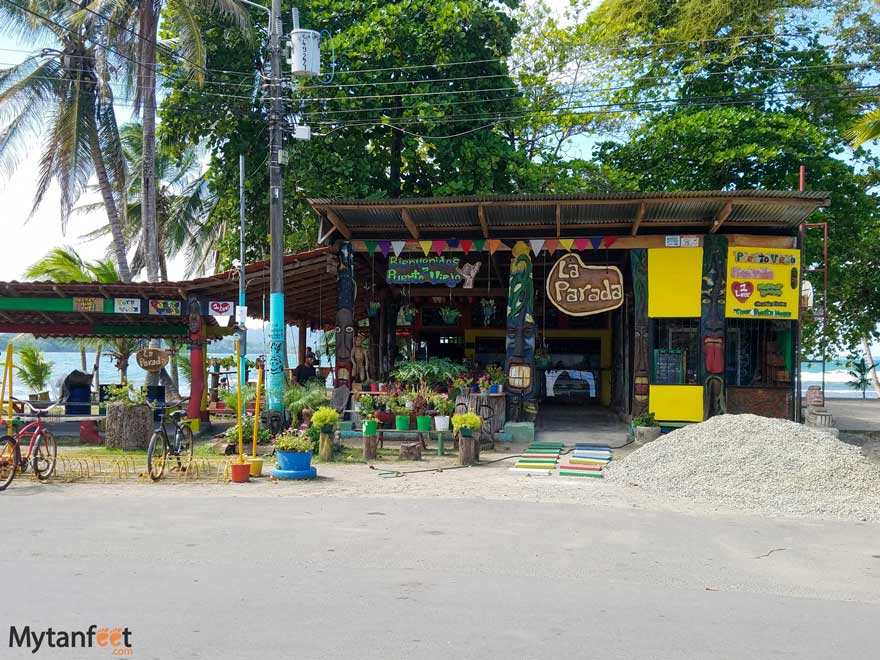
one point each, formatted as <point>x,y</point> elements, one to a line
<point>423,270</point>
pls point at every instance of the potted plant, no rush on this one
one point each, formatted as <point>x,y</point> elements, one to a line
<point>34,371</point>
<point>370,425</point>
<point>401,417</point>
<point>325,418</point>
<point>460,385</point>
<point>466,423</point>
<point>450,315</point>
<point>483,384</point>
<point>293,451</point>
<point>443,406</point>
<point>497,378</point>
<point>645,428</point>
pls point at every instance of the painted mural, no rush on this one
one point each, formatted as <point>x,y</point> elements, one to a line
<point>346,290</point>
<point>639,265</point>
<point>521,335</point>
<point>712,305</point>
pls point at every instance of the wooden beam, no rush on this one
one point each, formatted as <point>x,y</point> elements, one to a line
<point>484,224</point>
<point>339,223</point>
<point>410,224</point>
<point>640,215</point>
<point>558,221</point>
<point>723,215</point>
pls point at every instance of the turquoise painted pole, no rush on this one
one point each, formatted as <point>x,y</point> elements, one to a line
<point>275,389</point>
<point>242,368</point>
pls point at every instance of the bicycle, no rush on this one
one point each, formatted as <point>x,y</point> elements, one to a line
<point>42,449</point>
<point>160,446</point>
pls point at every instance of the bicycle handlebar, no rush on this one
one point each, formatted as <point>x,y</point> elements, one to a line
<point>171,404</point>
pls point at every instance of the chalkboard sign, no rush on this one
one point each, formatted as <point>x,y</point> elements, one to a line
<point>669,367</point>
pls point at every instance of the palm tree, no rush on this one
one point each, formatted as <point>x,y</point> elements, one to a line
<point>133,28</point>
<point>33,368</point>
<point>866,129</point>
<point>62,96</point>
<point>184,207</point>
<point>860,372</point>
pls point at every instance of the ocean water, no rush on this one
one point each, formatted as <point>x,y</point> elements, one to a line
<point>836,376</point>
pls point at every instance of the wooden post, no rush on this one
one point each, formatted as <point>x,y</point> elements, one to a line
<point>467,449</point>
<point>713,324</point>
<point>345,293</point>
<point>371,447</point>
<point>301,343</point>
<point>197,361</point>
<point>520,342</point>
<point>325,447</point>
<point>639,268</point>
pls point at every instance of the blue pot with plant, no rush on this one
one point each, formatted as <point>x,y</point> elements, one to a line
<point>293,452</point>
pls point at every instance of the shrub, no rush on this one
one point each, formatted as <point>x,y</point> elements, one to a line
<point>299,397</point>
<point>645,419</point>
<point>443,404</point>
<point>127,394</point>
<point>325,416</point>
<point>247,428</point>
<point>291,440</point>
<point>466,421</point>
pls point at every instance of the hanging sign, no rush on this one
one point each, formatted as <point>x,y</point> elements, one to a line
<point>423,270</point>
<point>220,308</point>
<point>165,308</point>
<point>127,305</point>
<point>151,359</point>
<point>580,290</point>
<point>762,283</point>
<point>88,304</point>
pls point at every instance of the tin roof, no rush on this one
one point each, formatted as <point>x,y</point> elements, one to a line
<point>561,215</point>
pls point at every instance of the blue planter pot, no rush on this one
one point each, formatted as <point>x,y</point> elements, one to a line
<point>494,389</point>
<point>294,460</point>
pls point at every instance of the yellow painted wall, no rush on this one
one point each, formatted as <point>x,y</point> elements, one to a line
<point>674,279</point>
<point>676,403</point>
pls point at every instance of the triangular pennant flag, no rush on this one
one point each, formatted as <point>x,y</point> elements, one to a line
<point>385,247</point>
<point>537,245</point>
<point>566,243</point>
<point>453,243</point>
<point>550,245</point>
<point>479,243</point>
<point>426,246</point>
<point>609,241</point>
<point>596,242</point>
<point>439,246</point>
<point>466,245</point>
<point>398,246</point>
<point>581,243</point>
<point>494,244</point>
<point>371,247</point>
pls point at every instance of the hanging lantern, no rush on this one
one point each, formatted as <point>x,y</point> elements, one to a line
<point>519,376</point>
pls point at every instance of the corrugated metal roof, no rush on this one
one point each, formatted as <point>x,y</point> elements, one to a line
<point>536,215</point>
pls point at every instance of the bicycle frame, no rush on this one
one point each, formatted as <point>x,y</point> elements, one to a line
<point>161,428</point>
<point>35,431</point>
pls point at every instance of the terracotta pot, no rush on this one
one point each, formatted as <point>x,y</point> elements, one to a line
<point>241,472</point>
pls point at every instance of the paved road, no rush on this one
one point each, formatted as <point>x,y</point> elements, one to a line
<point>233,578</point>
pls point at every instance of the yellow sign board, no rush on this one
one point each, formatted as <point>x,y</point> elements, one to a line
<point>763,283</point>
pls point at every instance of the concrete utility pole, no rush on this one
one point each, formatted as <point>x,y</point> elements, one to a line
<point>242,304</point>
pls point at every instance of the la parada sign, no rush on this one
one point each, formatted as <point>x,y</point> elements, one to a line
<point>580,290</point>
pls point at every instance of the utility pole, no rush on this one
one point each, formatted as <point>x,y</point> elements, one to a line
<point>241,316</point>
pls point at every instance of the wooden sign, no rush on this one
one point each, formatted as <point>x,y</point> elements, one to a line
<point>151,359</point>
<point>424,270</point>
<point>221,308</point>
<point>580,290</point>
<point>88,304</point>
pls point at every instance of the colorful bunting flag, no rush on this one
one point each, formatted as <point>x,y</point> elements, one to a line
<point>371,247</point>
<point>537,245</point>
<point>610,240</point>
<point>452,243</point>
<point>439,246</point>
<point>385,247</point>
<point>596,242</point>
<point>466,245</point>
<point>566,243</point>
<point>581,243</point>
<point>398,246</point>
<point>479,243</point>
<point>493,244</point>
<point>426,246</point>
<point>550,245</point>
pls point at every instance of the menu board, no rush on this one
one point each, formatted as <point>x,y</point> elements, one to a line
<point>763,283</point>
<point>668,367</point>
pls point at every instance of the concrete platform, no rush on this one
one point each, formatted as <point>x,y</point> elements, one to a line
<point>579,423</point>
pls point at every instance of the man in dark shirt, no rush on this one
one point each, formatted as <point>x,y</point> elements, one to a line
<point>306,372</point>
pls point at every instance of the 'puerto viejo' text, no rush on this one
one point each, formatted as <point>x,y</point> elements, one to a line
<point>770,258</point>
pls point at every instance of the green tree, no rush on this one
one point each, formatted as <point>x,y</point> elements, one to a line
<point>62,96</point>
<point>860,372</point>
<point>33,368</point>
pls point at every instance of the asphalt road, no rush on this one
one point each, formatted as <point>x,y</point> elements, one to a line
<point>224,577</point>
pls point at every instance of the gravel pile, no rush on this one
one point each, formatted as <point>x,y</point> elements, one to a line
<point>760,464</point>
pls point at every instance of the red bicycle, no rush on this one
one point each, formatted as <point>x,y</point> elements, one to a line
<point>42,449</point>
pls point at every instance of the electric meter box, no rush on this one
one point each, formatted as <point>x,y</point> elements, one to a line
<point>305,53</point>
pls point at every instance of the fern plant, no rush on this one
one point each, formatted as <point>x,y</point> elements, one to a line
<point>299,397</point>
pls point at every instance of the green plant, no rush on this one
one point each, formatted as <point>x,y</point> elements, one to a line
<point>292,440</point>
<point>467,420</point>
<point>33,368</point>
<point>325,416</point>
<point>299,397</point>
<point>860,373</point>
<point>496,375</point>
<point>127,394</point>
<point>427,373</point>
<point>313,433</point>
<point>248,395</point>
<point>645,419</point>
<point>247,431</point>
<point>366,404</point>
<point>443,404</point>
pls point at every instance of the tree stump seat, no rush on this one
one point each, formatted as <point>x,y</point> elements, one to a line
<point>410,451</point>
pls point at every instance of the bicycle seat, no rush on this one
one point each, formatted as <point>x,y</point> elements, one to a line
<point>178,414</point>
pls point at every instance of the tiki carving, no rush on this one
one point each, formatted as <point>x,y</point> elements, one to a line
<point>521,335</point>
<point>346,290</point>
<point>639,266</point>
<point>712,326</point>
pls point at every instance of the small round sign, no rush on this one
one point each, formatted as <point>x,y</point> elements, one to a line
<point>151,359</point>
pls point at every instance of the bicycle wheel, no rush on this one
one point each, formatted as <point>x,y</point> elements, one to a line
<point>8,461</point>
<point>185,448</point>
<point>157,454</point>
<point>45,455</point>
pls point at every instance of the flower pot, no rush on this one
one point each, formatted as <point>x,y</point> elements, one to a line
<point>475,388</point>
<point>484,390</point>
<point>494,389</point>
<point>256,466</point>
<point>441,422</point>
<point>423,422</point>
<point>294,460</point>
<point>241,472</point>
<point>371,427</point>
<point>374,387</point>
<point>327,428</point>
<point>466,433</point>
<point>385,418</point>
<point>401,422</point>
